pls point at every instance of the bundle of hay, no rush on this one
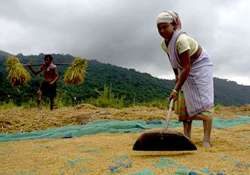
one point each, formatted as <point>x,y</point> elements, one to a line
<point>76,73</point>
<point>17,74</point>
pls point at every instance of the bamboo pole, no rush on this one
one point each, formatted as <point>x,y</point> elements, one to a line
<point>59,64</point>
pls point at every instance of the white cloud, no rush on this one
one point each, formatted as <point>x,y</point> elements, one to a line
<point>124,32</point>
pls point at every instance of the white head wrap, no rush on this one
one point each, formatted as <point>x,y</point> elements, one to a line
<point>169,17</point>
<point>164,17</point>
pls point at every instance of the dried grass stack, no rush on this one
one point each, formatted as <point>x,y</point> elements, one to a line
<point>17,74</point>
<point>76,73</point>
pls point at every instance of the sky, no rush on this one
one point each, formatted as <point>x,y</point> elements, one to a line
<point>124,32</point>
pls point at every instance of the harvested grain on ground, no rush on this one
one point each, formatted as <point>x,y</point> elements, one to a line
<point>106,154</point>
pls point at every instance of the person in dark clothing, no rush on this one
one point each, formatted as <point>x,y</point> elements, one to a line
<point>48,86</point>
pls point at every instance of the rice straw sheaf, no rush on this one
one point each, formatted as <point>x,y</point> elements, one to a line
<point>17,74</point>
<point>76,73</point>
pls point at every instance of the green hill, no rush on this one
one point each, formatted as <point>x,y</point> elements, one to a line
<point>128,83</point>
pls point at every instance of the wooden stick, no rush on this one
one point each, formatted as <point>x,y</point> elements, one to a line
<point>59,64</point>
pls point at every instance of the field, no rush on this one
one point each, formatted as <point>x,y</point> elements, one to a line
<point>108,153</point>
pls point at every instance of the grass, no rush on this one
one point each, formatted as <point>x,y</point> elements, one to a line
<point>158,103</point>
<point>107,99</point>
<point>7,105</point>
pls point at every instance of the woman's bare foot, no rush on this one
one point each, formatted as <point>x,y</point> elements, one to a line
<point>207,144</point>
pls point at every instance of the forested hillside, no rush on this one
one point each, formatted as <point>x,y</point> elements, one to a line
<point>133,86</point>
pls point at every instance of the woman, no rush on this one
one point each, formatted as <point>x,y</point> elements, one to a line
<point>193,71</point>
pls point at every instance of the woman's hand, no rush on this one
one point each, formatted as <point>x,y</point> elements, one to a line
<point>173,95</point>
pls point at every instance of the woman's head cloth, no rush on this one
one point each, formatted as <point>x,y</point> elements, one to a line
<point>169,17</point>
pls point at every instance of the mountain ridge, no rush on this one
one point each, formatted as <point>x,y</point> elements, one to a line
<point>127,82</point>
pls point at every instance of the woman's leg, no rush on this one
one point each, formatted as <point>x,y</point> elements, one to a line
<point>207,125</point>
<point>187,126</point>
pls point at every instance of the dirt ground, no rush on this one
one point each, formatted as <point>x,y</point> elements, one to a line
<point>106,154</point>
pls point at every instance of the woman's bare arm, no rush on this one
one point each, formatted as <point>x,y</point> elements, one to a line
<point>186,64</point>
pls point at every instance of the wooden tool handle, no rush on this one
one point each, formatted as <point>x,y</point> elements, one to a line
<point>169,112</point>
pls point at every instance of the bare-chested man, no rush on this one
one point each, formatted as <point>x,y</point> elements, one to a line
<point>48,86</point>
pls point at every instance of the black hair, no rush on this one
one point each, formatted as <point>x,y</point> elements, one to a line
<point>48,56</point>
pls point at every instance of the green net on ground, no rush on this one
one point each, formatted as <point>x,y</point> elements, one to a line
<point>114,126</point>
